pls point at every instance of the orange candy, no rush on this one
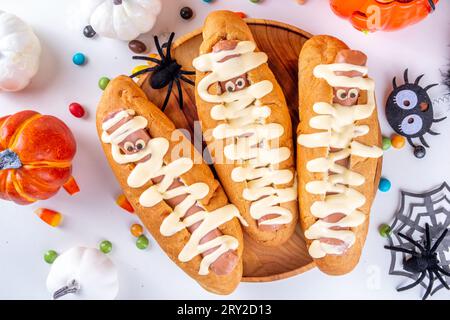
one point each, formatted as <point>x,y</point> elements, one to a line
<point>123,202</point>
<point>71,186</point>
<point>50,217</point>
<point>136,230</point>
<point>242,15</point>
<point>397,141</point>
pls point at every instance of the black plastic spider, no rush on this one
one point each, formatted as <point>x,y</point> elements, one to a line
<point>166,72</point>
<point>423,262</point>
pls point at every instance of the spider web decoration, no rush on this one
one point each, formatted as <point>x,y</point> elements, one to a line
<point>415,211</point>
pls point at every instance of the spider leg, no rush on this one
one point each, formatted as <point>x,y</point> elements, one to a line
<point>169,46</point>
<point>187,80</point>
<point>418,79</point>
<point>440,119</point>
<point>438,275</point>
<point>439,240</point>
<point>394,83</point>
<point>418,245</point>
<point>433,133</point>
<point>443,271</point>
<point>169,91</point>
<point>180,93</point>
<point>415,283</point>
<point>157,61</point>
<point>427,234</point>
<point>430,86</point>
<point>158,47</point>
<point>405,75</point>
<point>430,285</point>
<point>401,250</point>
<point>189,73</point>
<point>146,70</point>
<point>411,143</point>
<point>424,142</point>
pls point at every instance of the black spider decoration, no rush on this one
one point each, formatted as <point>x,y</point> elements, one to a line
<point>423,262</point>
<point>166,72</point>
<point>409,111</point>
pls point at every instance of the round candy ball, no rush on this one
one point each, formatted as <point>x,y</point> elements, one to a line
<point>136,230</point>
<point>50,256</point>
<point>254,1</point>
<point>103,82</point>
<point>105,246</point>
<point>385,230</point>
<point>208,1</point>
<point>142,242</point>
<point>79,59</point>
<point>386,143</point>
<point>420,152</point>
<point>397,141</point>
<point>88,31</point>
<point>76,109</point>
<point>384,185</point>
<point>186,13</point>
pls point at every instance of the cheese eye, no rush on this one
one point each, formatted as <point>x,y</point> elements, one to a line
<point>129,146</point>
<point>140,144</point>
<point>341,94</point>
<point>406,99</point>
<point>230,87</point>
<point>240,83</point>
<point>353,93</point>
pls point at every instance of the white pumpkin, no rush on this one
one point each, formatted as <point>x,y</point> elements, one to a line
<point>121,19</point>
<point>20,51</point>
<point>83,274</point>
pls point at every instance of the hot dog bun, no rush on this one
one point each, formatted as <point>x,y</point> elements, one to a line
<point>224,31</point>
<point>324,50</point>
<point>122,93</point>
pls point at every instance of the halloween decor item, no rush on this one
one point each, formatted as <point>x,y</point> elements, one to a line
<point>166,72</point>
<point>84,274</point>
<point>409,111</point>
<point>426,218</point>
<point>36,152</point>
<point>384,15</point>
<point>119,19</point>
<point>20,52</point>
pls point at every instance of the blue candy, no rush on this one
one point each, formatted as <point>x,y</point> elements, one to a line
<point>79,59</point>
<point>385,185</point>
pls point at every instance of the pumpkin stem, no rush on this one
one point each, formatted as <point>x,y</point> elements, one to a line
<point>72,287</point>
<point>9,160</point>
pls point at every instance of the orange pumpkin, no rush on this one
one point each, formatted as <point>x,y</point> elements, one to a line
<point>35,156</point>
<point>387,15</point>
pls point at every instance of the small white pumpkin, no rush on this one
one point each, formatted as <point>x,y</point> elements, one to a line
<point>121,19</point>
<point>83,274</point>
<point>20,51</point>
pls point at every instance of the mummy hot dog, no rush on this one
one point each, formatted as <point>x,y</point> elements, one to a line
<point>247,127</point>
<point>179,201</point>
<point>338,152</point>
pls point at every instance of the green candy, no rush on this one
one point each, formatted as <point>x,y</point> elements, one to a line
<point>142,242</point>
<point>385,230</point>
<point>105,246</point>
<point>103,82</point>
<point>50,256</point>
<point>254,1</point>
<point>386,143</point>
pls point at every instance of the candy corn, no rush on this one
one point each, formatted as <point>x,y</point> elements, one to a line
<point>50,217</point>
<point>71,186</point>
<point>122,201</point>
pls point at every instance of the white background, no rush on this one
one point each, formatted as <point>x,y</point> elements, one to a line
<point>92,215</point>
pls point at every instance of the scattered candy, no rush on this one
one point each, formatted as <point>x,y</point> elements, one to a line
<point>139,68</point>
<point>385,230</point>
<point>76,109</point>
<point>397,141</point>
<point>137,46</point>
<point>186,13</point>
<point>142,242</point>
<point>50,256</point>
<point>50,217</point>
<point>419,152</point>
<point>123,202</point>
<point>71,186</point>
<point>386,143</point>
<point>136,230</point>
<point>103,82</point>
<point>88,31</point>
<point>242,15</point>
<point>79,59</point>
<point>384,185</point>
<point>105,246</point>
<point>256,1</point>
<point>152,55</point>
<point>208,1</point>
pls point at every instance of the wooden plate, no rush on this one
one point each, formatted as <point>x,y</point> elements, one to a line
<point>282,43</point>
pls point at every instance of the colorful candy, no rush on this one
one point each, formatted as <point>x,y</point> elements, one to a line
<point>254,1</point>
<point>386,143</point>
<point>89,32</point>
<point>398,141</point>
<point>76,109</point>
<point>79,59</point>
<point>103,82</point>
<point>71,186</point>
<point>384,185</point>
<point>105,246</point>
<point>137,46</point>
<point>139,68</point>
<point>384,230</point>
<point>136,230</point>
<point>152,55</point>
<point>186,13</point>
<point>123,202</point>
<point>142,242</point>
<point>50,217</point>
<point>242,15</point>
<point>208,1</point>
<point>50,256</point>
<point>419,152</point>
